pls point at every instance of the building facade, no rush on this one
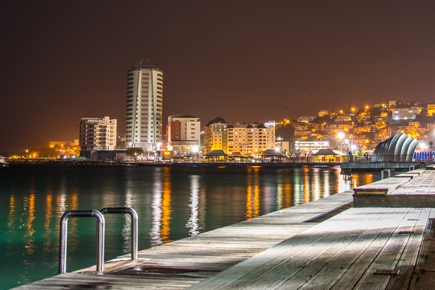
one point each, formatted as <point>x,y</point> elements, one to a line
<point>98,134</point>
<point>247,139</point>
<point>183,134</point>
<point>306,119</point>
<point>251,138</point>
<point>144,106</point>
<point>405,113</point>
<point>215,135</point>
<point>311,145</point>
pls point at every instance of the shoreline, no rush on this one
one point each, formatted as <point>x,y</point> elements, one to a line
<point>172,164</point>
<point>346,168</point>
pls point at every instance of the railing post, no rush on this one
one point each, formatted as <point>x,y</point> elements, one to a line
<point>385,170</point>
<point>134,225</point>
<point>64,233</point>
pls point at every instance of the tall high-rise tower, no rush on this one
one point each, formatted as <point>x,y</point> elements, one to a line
<point>144,106</point>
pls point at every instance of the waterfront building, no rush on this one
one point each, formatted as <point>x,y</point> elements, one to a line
<point>215,135</point>
<point>282,146</point>
<point>183,134</point>
<point>98,134</point>
<point>144,106</point>
<point>250,138</point>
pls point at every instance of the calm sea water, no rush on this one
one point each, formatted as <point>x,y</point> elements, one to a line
<point>172,203</point>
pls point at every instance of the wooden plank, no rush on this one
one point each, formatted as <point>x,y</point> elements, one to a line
<point>117,282</point>
<point>407,261</point>
<point>268,260</point>
<point>244,271</point>
<point>388,256</point>
<point>423,276</point>
<point>338,265</point>
<point>383,186</point>
<point>359,266</point>
<point>421,184</point>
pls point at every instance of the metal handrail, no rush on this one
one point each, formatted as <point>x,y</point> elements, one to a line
<point>63,237</point>
<point>383,173</point>
<point>134,225</point>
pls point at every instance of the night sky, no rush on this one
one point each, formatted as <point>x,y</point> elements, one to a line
<point>244,61</point>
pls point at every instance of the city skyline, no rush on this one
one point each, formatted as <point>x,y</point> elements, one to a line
<point>245,61</point>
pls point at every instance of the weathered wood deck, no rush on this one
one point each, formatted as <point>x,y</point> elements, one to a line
<point>361,248</point>
<point>414,188</point>
<point>186,262</point>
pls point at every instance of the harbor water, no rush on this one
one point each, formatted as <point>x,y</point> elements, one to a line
<point>172,203</point>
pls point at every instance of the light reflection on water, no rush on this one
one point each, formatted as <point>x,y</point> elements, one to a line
<point>193,222</point>
<point>171,203</point>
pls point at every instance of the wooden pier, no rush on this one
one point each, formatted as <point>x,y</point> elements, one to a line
<point>319,245</point>
<point>349,167</point>
<point>410,189</point>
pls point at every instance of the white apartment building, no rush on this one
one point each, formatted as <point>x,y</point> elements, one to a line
<point>144,106</point>
<point>183,134</point>
<point>98,134</point>
<point>405,113</point>
<point>311,145</point>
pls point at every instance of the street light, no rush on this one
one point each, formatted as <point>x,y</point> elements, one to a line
<point>340,135</point>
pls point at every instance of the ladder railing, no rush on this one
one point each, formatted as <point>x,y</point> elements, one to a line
<point>100,233</point>
<point>387,171</point>
<point>64,232</point>
<point>134,225</point>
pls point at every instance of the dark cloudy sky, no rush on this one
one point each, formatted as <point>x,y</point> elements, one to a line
<point>240,60</point>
